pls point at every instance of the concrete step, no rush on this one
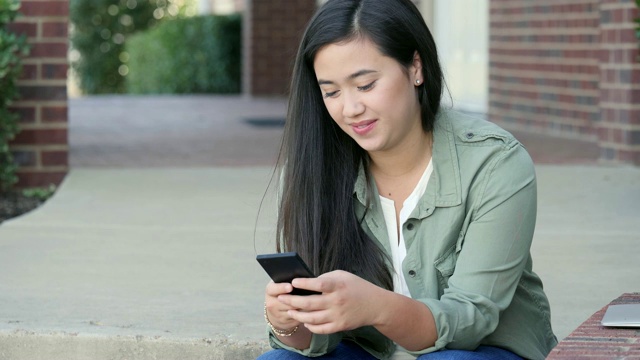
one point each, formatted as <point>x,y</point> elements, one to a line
<point>29,345</point>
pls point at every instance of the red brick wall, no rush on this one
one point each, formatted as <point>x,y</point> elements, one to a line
<point>276,28</point>
<point>567,67</point>
<point>619,126</point>
<point>543,69</point>
<point>41,148</point>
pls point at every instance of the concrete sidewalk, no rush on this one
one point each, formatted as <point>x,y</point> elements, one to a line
<point>161,256</point>
<point>138,257</point>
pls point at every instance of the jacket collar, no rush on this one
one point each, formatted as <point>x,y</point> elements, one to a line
<point>444,188</point>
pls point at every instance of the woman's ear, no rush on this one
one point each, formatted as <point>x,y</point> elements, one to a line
<point>416,69</point>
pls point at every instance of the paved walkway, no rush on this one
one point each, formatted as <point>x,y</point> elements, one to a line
<point>147,249</point>
<point>196,131</point>
<point>166,131</point>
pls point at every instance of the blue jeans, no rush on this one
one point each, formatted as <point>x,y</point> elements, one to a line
<point>349,351</point>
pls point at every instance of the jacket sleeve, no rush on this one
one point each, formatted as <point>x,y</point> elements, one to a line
<point>491,254</point>
<point>320,344</point>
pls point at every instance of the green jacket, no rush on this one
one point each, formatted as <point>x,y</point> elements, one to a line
<point>468,246</point>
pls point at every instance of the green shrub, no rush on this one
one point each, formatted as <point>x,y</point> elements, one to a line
<point>12,49</point>
<point>41,194</point>
<point>191,55</point>
<point>100,29</point>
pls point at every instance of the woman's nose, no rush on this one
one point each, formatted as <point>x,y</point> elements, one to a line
<point>352,106</point>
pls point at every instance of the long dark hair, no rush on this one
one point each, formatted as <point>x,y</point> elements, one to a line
<point>320,162</point>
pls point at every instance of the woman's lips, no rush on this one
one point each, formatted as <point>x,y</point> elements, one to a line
<point>363,127</point>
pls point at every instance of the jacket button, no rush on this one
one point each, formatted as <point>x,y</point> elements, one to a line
<point>470,135</point>
<point>410,226</point>
<point>412,273</point>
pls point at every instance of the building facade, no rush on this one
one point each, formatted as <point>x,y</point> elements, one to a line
<point>568,67</point>
<point>565,67</point>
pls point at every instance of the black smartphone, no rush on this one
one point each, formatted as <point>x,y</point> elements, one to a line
<point>284,267</point>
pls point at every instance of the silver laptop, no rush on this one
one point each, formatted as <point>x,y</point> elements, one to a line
<point>623,315</point>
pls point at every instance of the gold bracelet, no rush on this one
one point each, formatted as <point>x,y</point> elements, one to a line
<point>277,331</point>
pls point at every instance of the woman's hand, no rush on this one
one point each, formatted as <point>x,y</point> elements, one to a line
<point>277,310</point>
<point>277,313</point>
<point>347,302</point>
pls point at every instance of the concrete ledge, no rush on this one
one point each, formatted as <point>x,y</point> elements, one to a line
<point>29,345</point>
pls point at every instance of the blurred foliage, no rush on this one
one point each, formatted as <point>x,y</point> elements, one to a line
<point>8,11</point>
<point>41,194</point>
<point>12,49</point>
<point>192,55</point>
<point>100,29</point>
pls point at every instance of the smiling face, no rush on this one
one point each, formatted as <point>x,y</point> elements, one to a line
<point>370,96</point>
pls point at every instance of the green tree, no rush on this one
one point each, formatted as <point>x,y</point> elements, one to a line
<point>12,49</point>
<point>200,54</point>
<point>100,29</point>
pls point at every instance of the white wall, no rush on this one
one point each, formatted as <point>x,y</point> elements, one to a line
<point>216,6</point>
<point>461,29</point>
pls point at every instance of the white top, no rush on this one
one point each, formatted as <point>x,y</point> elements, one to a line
<point>398,248</point>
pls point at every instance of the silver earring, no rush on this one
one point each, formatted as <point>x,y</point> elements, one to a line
<point>418,82</point>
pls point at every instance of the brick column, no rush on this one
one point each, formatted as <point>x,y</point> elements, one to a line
<point>543,72</point>
<point>568,67</point>
<point>276,27</point>
<point>41,148</point>
<point>619,126</point>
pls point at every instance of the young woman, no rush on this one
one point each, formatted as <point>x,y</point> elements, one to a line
<point>418,219</point>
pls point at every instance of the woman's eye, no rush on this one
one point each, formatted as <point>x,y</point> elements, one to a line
<point>366,87</point>
<point>330,94</point>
